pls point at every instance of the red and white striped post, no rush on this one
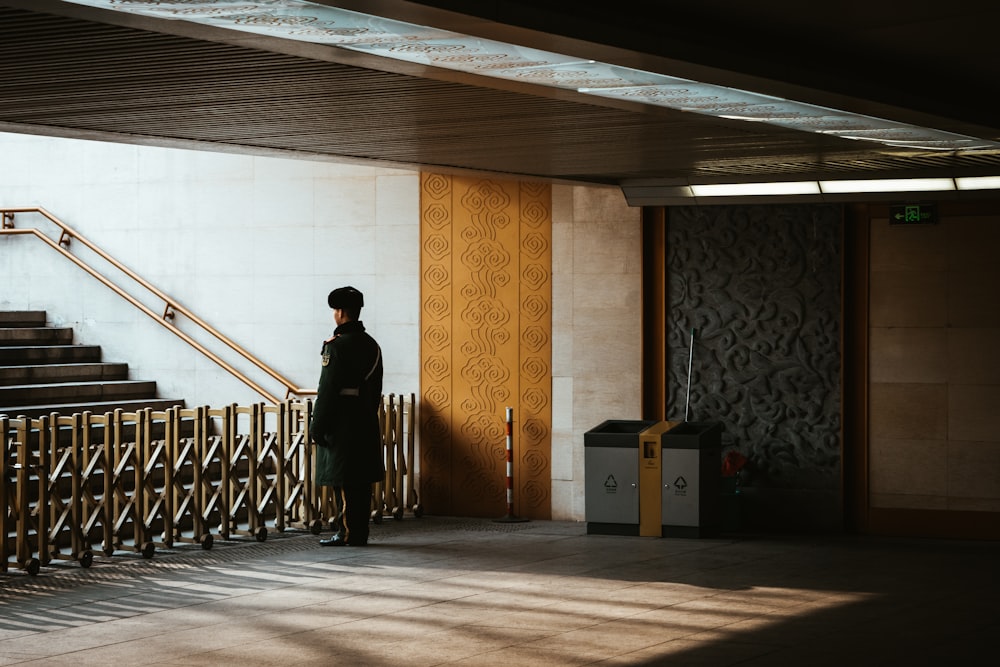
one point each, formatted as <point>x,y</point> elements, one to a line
<point>510,516</point>
<point>510,461</point>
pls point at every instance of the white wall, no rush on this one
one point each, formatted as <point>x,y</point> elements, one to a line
<point>253,245</point>
<point>597,328</point>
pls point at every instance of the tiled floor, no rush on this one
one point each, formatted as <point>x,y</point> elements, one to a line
<point>442,591</point>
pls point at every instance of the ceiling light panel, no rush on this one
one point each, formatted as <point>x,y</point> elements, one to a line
<point>755,189</point>
<point>978,183</point>
<point>888,185</point>
<point>312,22</point>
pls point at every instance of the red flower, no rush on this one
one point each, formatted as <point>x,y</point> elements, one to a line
<point>733,463</point>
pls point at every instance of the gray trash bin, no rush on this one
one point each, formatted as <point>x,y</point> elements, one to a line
<point>692,480</point>
<point>611,476</point>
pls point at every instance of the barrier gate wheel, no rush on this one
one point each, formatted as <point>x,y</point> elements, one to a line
<point>32,566</point>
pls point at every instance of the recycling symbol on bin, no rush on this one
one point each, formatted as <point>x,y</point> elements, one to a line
<point>680,484</point>
<point>611,484</point>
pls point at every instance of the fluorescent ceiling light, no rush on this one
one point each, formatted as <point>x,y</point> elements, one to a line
<point>888,185</point>
<point>978,183</point>
<point>740,189</point>
<point>651,193</point>
<point>321,24</point>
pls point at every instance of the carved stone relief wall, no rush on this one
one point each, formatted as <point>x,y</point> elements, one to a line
<point>759,286</point>
<point>486,345</point>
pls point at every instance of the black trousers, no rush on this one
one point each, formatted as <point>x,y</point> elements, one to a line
<point>356,505</point>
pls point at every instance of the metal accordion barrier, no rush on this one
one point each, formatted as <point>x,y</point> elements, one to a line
<point>138,482</point>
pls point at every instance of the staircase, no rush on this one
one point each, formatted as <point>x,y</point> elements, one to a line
<point>42,371</point>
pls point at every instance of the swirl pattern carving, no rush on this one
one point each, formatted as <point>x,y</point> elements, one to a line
<point>437,406</point>
<point>535,349</point>
<point>437,216</point>
<point>534,276</point>
<point>535,400</point>
<point>437,188</point>
<point>535,306</point>
<point>437,337</point>
<point>437,247</point>
<point>534,245</point>
<point>436,367</point>
<point>487,198</point>
<point>534,430</point>
<point>437,306</point>
<point>485,254</point>
<point>534,338</point>
<point>436,276</point>
<point>760,287</point>
<point>535,493</point>
<point>534,213</point>
<point>437,397</point>
<point>435,428</point>
<point>534,369</point>
<point>486,251</point>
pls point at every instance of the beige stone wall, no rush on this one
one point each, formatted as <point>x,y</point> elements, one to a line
<point>250,244</point>
<point>935,365</point>
<point>596,328</point>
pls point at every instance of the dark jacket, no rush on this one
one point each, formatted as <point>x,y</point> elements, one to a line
<point>345,422</point>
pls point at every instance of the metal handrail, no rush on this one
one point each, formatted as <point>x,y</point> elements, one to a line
<point>171,306</point>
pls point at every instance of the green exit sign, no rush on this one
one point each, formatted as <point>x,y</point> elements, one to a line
<point>912,214</point>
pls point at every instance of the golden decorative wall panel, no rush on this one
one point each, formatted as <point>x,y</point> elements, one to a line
<point>486,345</point>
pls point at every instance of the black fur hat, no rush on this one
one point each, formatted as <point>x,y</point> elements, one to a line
<point>346,298</point>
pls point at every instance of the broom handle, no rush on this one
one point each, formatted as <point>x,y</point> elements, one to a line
<point>687,402</point>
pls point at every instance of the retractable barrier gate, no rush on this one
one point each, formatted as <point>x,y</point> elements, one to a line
<point>136,482</point>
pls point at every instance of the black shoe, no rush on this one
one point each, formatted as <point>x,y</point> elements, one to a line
<point>335,541</point>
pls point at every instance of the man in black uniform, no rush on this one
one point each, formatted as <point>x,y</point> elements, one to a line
<point>345,421</point>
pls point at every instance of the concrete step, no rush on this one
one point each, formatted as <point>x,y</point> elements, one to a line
<point>94,407</point>
<point>36,335</point>
<point>22,375</point>
<point>60,393</point>
<point>23,355</point>
<point>42,372</point>
<point>22,318</point>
